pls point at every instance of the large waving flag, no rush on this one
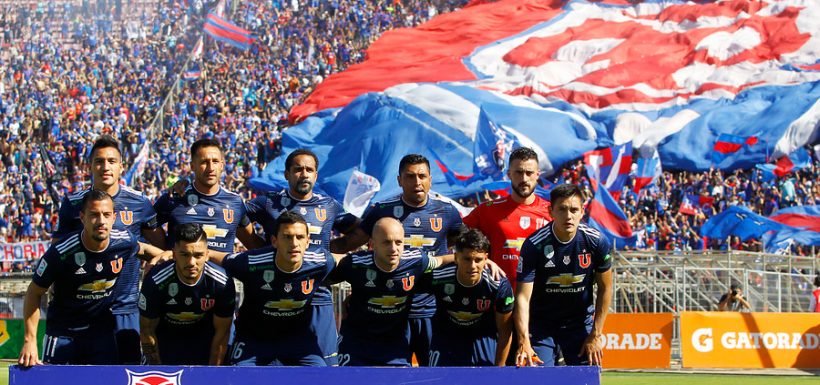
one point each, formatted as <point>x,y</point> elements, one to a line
<point>138,168</point>
<point>647,171</point>
<point>571,77</point>
<point>606,216</point>
<point>727,146</point>
<point>227,32</point>
<point>610,166</point>
<point>741,222</point>
<point>803,217</point>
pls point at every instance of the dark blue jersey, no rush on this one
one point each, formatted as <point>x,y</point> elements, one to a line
<point>186,311</point>
<point>323,215</point>
<point>275,302</point>
<point>562,274</point>
<point>380,301</point>
<point>468,310</point>
<point>83,281</point>
<point>220,214</point>
<point>134,213</point>
<point>425,227</point>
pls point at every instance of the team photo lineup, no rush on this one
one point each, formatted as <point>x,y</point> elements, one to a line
<point>602,184</point>
<point>426,285</point>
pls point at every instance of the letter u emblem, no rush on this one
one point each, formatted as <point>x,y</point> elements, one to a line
<point>584,260</point>
<point>321,214</point>
<point>408,282</point>
<point>307,286</point>
<point>127,217</point>
<point>435,224</point>
<point>227,214</point>
<point>483,304</point>
<point>116,265</point>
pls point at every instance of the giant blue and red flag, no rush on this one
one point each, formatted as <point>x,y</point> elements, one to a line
<point>568,77</point>
<point>227,32</point>
<point>647,171</point>
<point>606,216</point>
<point>803,217</point>
<point>727,145</point>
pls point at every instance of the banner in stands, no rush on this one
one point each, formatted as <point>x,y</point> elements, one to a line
<point>638,340</point>
<point>12,332</point>
<point>750,340</point>
<point>23,251</point>
<point>190,375</point>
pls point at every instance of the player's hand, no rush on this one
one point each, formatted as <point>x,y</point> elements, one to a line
<point>178,189</point>
<point>527,357</point>
<point>495,271</point>
<point>593,347</point>
<point>29,355</point>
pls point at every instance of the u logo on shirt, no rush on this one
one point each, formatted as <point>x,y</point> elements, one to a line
<point>584,260</point>
<point>116,265</point>
<point>307,286</point>
<point>227,214</point>
<point>435,224</point>
<point>206,303</point>
<point>408,282</point>
<point>482,304</point>
<point>321,214</point>
<point>127,217</point>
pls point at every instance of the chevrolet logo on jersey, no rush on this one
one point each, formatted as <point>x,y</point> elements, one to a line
<point>213,232</point>
<point>388,301</point>
<point>419,241</point>
<point>514,243</point>
<point>184,317</point>
<point>97,286</point>
<point>566,279</point>
<point>464,317</point>
<point>314,230</point>
<point>285,304</point>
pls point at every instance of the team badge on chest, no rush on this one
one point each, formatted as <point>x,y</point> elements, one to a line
<point>288,287</point>
<point>435,224</point>
<point>398,211</point>
<point>567,260</point>
<point>211,211</point>
<point>285,201</point>
<point>127,217</point>
<point>227,215</point>
<point>321,214</point>
<point>79,258</point>
<point>99,267</point>
<point>524,222</point>
<point>193,200</point>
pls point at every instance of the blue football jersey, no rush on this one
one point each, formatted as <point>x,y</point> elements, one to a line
<point>425,227</point>
<point>186,311</point>
<point>220,215</point>
<point>275,302</point>
<point>83,281</point>
<point>323,215</point>
<point>562,274</point>
<point>134,213</point>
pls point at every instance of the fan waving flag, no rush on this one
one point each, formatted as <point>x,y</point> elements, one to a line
<point>610,166</point>
<point>566,78</point>
<point>227,32</point>
<point>727,145</point>
<point>193,73</point>
<point>647,171</point>
<point>606,216</point>
<point>792,162</point>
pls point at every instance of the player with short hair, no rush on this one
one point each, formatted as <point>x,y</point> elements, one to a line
<point>473,321</point>
<point>558,267</point>
<point>383,281</point>
<point>273,323</point>
<point>222,213</point>
<point>135,215</point>
<point>186,305</point>
<point>429,223</point>
<point>82,269</point>
<point>324,215</point>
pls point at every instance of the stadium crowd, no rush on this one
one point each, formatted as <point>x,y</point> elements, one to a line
<point>60,89</point>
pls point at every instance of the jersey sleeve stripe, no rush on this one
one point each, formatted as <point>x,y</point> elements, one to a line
<point>68,243</point>
<point>164,273</point>
<point>216,274</point>
<point>411,254</point>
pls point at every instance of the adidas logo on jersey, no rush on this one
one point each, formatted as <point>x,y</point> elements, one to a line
<point>80,271</point>
<point>191,211</point>
<point>549,264</point>
<point>171,302</point>
<point>266,287</point>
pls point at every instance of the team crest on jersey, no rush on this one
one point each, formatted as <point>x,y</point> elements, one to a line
<point>288,287</point>
<point>398,211</point>
<point>154,378</point>
<point>321,214</point>
<point>389,284</point>
<point>211,211</point>
<point>371,276</point>
<point>465,301</point>
<point>435,224</point>
<point>173,289</point>
<point>417,222</point>
<point>567,260</point>
<point>307,286</point>
<point>193,200</point>
<point>206,303</point>
<point>99,268</point>
<point>549,251</point>
<point>449,288</point>
<point>524,222</point>
<point>127,217</point>
<point>116,265</point>
<point>408,282</point>
<point>482,304</point>
<point>227,215</point>
<point>79,259</point>
<point>188,301</point>
<point>584,260</point>
<point>302,211</point>
<point>285,201</point>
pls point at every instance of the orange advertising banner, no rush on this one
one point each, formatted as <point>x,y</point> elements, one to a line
<point>637,340</point>
<point>750,340</point>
